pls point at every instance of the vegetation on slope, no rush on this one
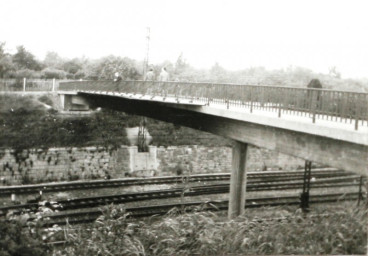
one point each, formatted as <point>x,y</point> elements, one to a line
<point>26,123</point>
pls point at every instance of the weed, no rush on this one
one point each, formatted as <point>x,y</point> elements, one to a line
<point>203,233</point>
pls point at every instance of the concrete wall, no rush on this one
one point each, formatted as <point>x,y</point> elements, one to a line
<point>63,164</point>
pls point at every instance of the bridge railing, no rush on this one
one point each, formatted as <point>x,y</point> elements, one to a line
<point>29,85</point>
<point>339,106</point>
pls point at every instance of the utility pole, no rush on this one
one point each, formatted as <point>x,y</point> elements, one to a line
<point>146,59</point>
<point>142,146</point>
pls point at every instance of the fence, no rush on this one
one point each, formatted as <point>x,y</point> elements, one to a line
<point>29,85</point>
<point>339,106</point>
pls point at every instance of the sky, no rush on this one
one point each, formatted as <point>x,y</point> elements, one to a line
<point>237,34</point>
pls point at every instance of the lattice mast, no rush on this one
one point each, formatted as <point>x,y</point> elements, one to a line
<point>146,59</point>
<point>142,146</point>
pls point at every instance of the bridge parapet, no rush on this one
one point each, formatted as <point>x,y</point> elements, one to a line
<point>337,106</point>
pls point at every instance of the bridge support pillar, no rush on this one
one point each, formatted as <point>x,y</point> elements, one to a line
<point>238,180</point>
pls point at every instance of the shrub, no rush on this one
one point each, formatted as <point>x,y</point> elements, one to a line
<point>16,240</point>
<point>27,73</point>
<point>49,73</point>
<point>46,100</point>
<point>110,234</point>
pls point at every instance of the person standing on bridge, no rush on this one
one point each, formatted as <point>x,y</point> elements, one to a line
<point>117,77</point>
<point>164,76</point>
<point>150,76</point>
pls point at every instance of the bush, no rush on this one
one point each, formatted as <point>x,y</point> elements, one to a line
<point>110,234</point>
<point>27,73</point>
<point>46,100</point>
<point>49,73</point>
<point>79,75</point>
<point>16,240</point>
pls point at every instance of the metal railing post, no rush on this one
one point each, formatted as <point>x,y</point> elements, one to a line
<point>279,103</point>
<point>360,197</point>
<point>251,99</point>
<point>313,106</point>
<point>53,85</point>
<point>208,94</point>
<point>304,196</point>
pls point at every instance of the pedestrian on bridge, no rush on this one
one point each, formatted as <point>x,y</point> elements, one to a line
<point>150,76</point>
<point>164,76</point>
<point>117,77</point>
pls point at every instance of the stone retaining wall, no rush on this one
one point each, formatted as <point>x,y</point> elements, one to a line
<point>56,164</point>
<point>200,159</point>
<point>66,164</point>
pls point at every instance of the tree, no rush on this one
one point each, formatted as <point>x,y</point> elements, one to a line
<point>49,73</point>
<point>106,67</point>
<point>53,60</point>
<point>72,66</point>
<point>25,60</point>
<point>333,72</point>
<point>218,74</point>
<point>6,64</point>
<point>27,73</point>
<point>180,65</point>
<point>2,49</point>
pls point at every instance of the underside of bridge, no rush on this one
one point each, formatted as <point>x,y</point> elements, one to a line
<point>335,153</point>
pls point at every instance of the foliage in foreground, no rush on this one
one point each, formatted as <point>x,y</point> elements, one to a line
<point>201,233</point>
<point>15,240</point>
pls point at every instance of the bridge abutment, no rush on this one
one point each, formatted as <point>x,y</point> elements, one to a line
<point>238,179</point>
<point>73,102</point>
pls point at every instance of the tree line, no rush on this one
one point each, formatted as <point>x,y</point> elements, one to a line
<point>23,64</point>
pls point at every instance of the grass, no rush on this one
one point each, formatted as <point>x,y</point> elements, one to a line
<point>342,231</point>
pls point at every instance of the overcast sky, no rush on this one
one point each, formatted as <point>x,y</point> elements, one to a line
<point>238,34</point>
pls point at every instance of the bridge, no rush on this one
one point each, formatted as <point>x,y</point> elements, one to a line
<point>325,126</point>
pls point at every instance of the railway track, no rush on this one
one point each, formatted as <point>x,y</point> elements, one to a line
<point>84,185</point>
<point>88,202</point>
<point>85,216</point>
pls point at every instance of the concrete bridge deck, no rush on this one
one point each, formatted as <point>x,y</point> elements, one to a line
<point>296,122</point>
<point>336,144</point>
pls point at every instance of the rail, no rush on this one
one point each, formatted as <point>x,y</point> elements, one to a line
<point>98,184</point>
<point>337,106</point>
<point>90,215</point>
<point>223,188</point>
